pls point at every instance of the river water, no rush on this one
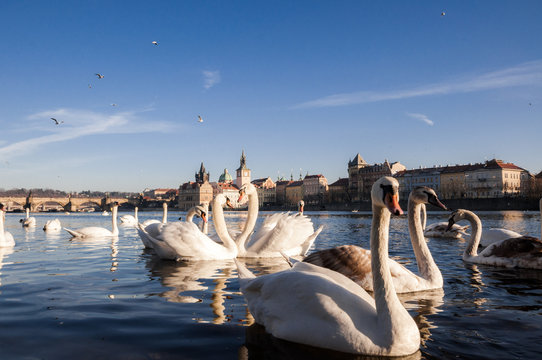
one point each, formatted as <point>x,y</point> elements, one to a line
<point>111,299</point>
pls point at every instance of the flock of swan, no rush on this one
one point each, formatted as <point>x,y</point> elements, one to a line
<point>347,295</point>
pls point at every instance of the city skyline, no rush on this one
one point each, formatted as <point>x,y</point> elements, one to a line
<point>301,87</point>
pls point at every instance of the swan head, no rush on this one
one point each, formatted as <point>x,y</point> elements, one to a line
<point>246,189</point>
<point>456,216</point>
<point>426,195</point>
<point>221,200</point>
<point>301,205</point>
<point>201,212</point>
<point>385,193</point>
<point>164,205</point>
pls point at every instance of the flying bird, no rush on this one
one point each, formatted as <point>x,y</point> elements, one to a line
<point>442,13</point>
<point>57,122</point>
<point>155,42</point>
<point>113,104</point>
<point>100,76</point>
<point>200,119</point>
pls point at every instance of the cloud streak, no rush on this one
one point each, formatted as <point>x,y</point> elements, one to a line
<point>529,73</point>
<point>80,123</point>
<point>210,78</point>
<point>421,117</point>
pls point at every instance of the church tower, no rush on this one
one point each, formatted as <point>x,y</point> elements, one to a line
<point>243,173</point>
<point>202,176</point>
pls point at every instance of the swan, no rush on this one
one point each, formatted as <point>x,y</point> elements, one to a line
<point>440,229</point>
<point>355,262</point>
<point>187,242</point>
<point>6,239</point>
<point>291,234</point>
<point>95,231</point>
<point>164,217</point>
<point>28,221</point>
<point>521,252</point>
<point>315,306</point>
<point>154,229</point>
<point>300,206</point>
<point>130,220</point>
<point>52,225</point>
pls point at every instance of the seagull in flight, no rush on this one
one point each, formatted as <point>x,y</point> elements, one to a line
<point>100,76</point>
<point>155,42</point>
<point>200,119</point>
<point>57,122</point>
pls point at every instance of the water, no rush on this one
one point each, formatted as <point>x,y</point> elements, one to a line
<point>63,299</point>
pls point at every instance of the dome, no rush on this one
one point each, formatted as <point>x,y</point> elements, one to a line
<point>225,177</point>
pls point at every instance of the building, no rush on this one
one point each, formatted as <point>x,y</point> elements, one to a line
<point>367,176</point>
<point>243,173</point>
<point>280,191</point>
<point>410,179</point>
<point>197,192</point>
<point>229,189</point>
<point>353,168</point>
<point>266,189</point>
<point>496,179</point>
<point>294,192</point>
<point>164,194</point>
<point>314,189</point>
<point>338,192</point>
<point>453,183</point>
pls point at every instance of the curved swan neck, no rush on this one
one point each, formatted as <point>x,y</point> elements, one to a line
<point>115,229</point>
<point>190,215</point>
<point>252,216</point>
<point>476,234</point>
<point>426,265</point>
<point>164,214</point>
<point>220,227</point>
<point>387,303</point>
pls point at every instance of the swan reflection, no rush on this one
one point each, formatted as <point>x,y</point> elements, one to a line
<point>4,251</point>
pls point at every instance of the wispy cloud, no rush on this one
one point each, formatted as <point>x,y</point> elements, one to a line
<point>421,117</point>
<point>210,78</point>
<point>80,123</point>
<point>524,74</point>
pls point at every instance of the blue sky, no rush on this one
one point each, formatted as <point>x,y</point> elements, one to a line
<point>299,85</point>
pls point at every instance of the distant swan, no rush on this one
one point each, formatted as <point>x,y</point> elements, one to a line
<point>355,262</point>
<point>291,234</point>
<point>130,220</point>
<point>520,252</point>
<point>186,241</point>
<point>28,221</point>
<point>440,229</point>
<point>52,225</point>
<point>319,307</point>
<point>6,239</point>
<point>147,233</point>
<point>95,231</point>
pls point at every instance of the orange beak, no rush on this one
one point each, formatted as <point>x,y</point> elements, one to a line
<point>392,203</point>
<point>204,217</point>
<point>241,194</point>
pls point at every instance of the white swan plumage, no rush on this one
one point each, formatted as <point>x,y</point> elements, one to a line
<point>96,231</point>
<point>315,306</point>
<point>52,225</point>
<point>520,252</point>
<point>152,232</point>
<point>291,234</point>
<point>186,241</point>
<point>440,230</point>
<point>154,221</point>
<point>28,221</point>
<point>355,262</point>
<point>6,239</point>
<point>130,220</point>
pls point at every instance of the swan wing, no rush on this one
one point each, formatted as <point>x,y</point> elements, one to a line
<point>291,231</point>
<point>492,235</point>
<point>91,231</point>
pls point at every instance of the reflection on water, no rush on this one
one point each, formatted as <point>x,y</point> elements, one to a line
<point>107,297</point>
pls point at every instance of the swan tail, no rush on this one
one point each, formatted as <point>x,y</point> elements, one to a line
<point>243,272</point>
<point>290,260</point>
<point>310,240</point>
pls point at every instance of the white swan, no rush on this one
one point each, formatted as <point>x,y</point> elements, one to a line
<point>440,230</point>
<point>319,307</point>
<point>146,233</point>
<point>95,231</point>
<point>164,217</point>
<point>52,225</point>
<point>187,242</point>
<point>355,262</point>
<point>520,252</point>
<point>6,239</point>
<point>300,206</point>
<point>28,221</point>
<point>130,220</point>
<point>291,234</point>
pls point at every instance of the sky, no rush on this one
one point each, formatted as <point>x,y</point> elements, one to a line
<point>300,86</point>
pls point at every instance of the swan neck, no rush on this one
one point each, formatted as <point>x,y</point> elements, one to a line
<point>387,303</point>
<point>476,234</point>
<point>253,208</point>
<point>115,229</point>
<point>221,229</point>
<point>135,215</point>
<point>426,265</point>
<point>27,213</point>
<point>190,215</point>
<point>164,214</point>
<point>2,235</point>
<point>423,216</point>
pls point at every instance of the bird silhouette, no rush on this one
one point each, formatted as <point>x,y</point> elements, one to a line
<point>155,42</point>
<point>57,122</point>
<point>200,119</point>
<point>100,76</point>
<point>442,13</point>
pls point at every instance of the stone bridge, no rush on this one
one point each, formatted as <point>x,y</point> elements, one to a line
<point>67,203</point>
